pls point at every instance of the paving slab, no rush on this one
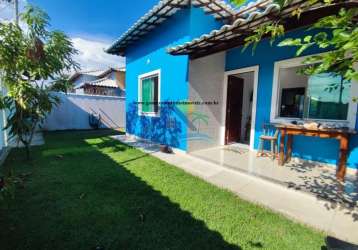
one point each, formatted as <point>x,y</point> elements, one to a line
<point>227,180</point>
<point>345,224</point>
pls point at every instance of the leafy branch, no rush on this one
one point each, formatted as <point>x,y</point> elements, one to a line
<point>33,63</point>
<point>339,36</point>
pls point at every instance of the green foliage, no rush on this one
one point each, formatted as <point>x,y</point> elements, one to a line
<point>307,4</point>
<point>272,29</point>
<point>33,62</point>
<point>339,35</point>
<point>238,2</point>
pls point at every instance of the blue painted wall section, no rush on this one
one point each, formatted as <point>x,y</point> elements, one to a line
<point>150,54</point>
<point>311,148</point>
<point>202,23</point>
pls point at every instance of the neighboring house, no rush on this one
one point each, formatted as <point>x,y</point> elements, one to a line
<point>109,82</point>
<point>194,91</point>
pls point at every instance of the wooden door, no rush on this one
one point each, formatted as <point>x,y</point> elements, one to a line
<point>235,91</point>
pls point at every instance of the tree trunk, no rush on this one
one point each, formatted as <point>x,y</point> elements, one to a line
<point>28,155</point>
<point>26,147</point>
<point>27,142</point>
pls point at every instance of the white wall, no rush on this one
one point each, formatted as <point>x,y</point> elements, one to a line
<point>79,91</point>
<point>84,78</point>
<point>206,76</point>
<point>290,79</point>
<point>75,109</point>
<point>2,132</point>
<point>3,117</point>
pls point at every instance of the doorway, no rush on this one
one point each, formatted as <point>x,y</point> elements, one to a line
<point>241,107</point>
<point>235,89</point>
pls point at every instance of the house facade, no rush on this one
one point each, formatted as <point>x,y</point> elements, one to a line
<point>190,86</point>
<point>108,82</point>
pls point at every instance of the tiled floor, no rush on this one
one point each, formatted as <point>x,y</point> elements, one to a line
<point>314,178</point>
<point>295,190</point>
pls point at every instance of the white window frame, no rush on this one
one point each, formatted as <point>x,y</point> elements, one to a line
<point>275,101</point>
<point>255,70</point>
<point>140,78</point>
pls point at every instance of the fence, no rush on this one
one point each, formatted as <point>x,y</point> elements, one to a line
<point>74,112</point>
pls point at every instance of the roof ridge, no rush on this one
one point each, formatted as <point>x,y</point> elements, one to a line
<point>248,18</point>
<point>105,69</point>
<point>91,70</point>
<point>222,3</point>
<point>163,10</point>
<point>100,80</point>
<point>246,14</point>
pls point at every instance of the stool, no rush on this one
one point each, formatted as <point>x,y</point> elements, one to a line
<point>270,133</point>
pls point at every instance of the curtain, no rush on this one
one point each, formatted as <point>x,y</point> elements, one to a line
<point>148,95</point>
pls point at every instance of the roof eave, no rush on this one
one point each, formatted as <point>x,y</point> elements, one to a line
<point>194,50</point>
<point>161,12</point>
<point>113,51</point>
<point>74,76</point>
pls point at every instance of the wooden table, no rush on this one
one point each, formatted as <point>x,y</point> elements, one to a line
<point>340,134</point>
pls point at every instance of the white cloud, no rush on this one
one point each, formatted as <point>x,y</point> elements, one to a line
<point>7,12</point>
<point>91,50</point>
<point>92,55</point>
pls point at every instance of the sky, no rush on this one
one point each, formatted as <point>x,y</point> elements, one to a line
<point>92,25</point>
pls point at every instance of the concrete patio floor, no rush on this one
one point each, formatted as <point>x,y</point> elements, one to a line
<point>317,179</point>
<point>305,192</point>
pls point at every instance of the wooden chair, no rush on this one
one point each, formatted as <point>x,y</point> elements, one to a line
<point>270,133</point>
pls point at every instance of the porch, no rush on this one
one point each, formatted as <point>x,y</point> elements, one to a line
<point>313,178</point>
<point>251,93</point>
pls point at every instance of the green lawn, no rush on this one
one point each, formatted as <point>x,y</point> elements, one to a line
<point>85,190</point>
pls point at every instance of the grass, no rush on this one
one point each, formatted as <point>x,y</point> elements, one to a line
<point>84,190</point>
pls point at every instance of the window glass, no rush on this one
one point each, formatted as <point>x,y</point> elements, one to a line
<point>328,97</point>
<point>292,102</point>
<point>149,94</point>
<point>322,96</point>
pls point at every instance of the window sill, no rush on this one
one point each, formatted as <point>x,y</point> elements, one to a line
<point>149,114</point>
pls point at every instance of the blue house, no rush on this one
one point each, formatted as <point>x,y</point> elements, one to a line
<point>190,86</point>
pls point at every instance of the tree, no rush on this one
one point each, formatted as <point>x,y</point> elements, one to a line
<point>238,2</point>
<point>33,62</point>
<point>338,33</point>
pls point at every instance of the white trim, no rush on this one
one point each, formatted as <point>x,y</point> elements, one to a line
<point>6,139</point>
<point>4,118</point>
<point>294,62</point>
<point>255,70</point>
<point>139,96</point>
